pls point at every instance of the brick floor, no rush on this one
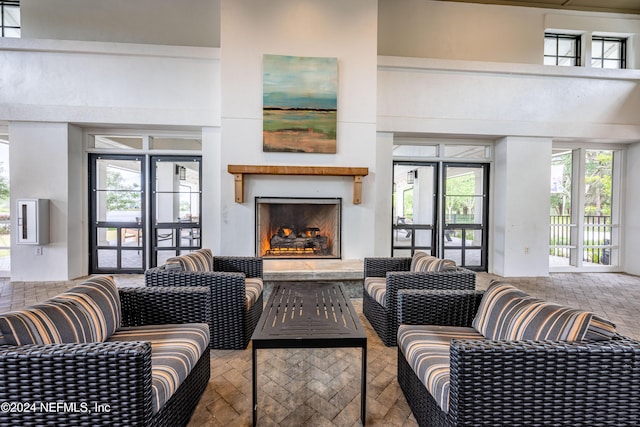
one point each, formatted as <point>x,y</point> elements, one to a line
<point>321,387</point>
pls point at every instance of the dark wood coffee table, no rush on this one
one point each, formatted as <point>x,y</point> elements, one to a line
<point>309,315</point>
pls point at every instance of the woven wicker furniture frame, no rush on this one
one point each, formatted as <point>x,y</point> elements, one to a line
<point>117,374</point>
<point>230,323</point>
<point>521,383</point>
<point>396,270</point>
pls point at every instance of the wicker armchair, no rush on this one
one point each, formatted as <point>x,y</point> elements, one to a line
<point>509,383</point>
<point>383,318</point>
<point>103,383</point>
<point>230,322</point>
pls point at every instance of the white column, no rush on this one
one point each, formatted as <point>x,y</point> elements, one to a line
<point>520,207</point>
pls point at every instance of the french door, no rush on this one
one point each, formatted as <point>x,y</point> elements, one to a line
<point>117,214</point>
<point>126,236</point>
<point>176,197</point>
<point>441,208</point>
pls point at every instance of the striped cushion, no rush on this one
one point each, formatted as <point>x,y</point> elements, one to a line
<point>499,304</point>
<point>420,262</point>
<point>541,320</point>
<point>175,349</point>
<point>425,263</point>
<point>88,312</point>
<point>507,313</point>
<point>426,349</point>
<point>253,289</point>
<point>47,323</point>
<point>100,299</point>
<point>173,263</point>
<point>600,329</point>
<point>438,265</point>
<point>200,260</point>
<point>376,287</point>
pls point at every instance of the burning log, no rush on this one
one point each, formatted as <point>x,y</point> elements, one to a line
<point>287,241</point>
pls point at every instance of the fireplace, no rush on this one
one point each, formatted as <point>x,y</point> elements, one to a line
<point>298,228</point>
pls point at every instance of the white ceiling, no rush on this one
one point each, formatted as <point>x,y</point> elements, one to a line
<point>613,6</point>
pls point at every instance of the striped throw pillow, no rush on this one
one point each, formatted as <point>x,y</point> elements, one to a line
<point>439,265</point>
<point>98,297</point>
<point>499,304</point>
<point>600,329</point>
<point>541,320</point>
<point>421,261</point>
<point>52,322</point>
<point>507,313</point>
<point>200,260</point>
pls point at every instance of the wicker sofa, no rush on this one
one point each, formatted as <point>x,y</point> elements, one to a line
<point>384,277</point>
<point>100,355</point>
<point>503,358</point>
<point>236,292</point>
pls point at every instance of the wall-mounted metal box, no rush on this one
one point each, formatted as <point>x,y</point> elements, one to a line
<point>33,221</point>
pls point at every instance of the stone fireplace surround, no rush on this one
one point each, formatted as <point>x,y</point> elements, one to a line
<point>349,272</point>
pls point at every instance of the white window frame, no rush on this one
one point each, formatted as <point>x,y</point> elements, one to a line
<point>576,262</point>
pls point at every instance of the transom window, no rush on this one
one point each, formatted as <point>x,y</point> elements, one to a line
<point>608,52</point>
<point>562,49</point>
<point>9,18</point>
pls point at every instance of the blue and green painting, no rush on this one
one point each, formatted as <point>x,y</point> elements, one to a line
<point>299,104</point>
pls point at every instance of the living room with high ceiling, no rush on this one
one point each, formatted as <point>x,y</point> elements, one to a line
<point>435,71</point>
<point>436,179</point>
<point>412,75</point>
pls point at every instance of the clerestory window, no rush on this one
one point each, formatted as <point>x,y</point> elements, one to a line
<point>608,52</point>
<point>562,50</point>
<point>9,18</point>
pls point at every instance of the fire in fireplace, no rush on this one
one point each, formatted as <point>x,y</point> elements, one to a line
<point>298,228</point>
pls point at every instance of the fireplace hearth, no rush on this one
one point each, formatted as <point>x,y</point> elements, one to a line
<point>298,228</point>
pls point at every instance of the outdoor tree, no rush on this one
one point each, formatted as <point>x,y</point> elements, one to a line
<point>460,191</point>
<point>561,184</point>
<point>122,196</point>
<point>597,182</point>
<point>4,185</point>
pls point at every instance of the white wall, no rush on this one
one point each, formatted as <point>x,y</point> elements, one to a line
<point>631,212</point>
<point>451,30</point>
<point>475,98</point>
<point>123,84</point>
<point>53,180</point>
<point>520,207</point>
<point>163,22</point>
<point>491,33</point>
<point>335,28</point>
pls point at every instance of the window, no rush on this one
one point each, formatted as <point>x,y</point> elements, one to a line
<point>562,50</point>
<point>9,18</point>
<point>608,52</point>
<point>585,230</point>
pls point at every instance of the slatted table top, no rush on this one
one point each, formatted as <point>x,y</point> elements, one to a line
<point>308,315</point>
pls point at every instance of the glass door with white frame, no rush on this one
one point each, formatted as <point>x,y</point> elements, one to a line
<point>584,229</point>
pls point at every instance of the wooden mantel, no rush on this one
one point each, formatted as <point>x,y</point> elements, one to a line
<point>239,171</point>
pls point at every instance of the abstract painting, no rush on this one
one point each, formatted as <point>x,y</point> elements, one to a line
<point>299,104</point>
